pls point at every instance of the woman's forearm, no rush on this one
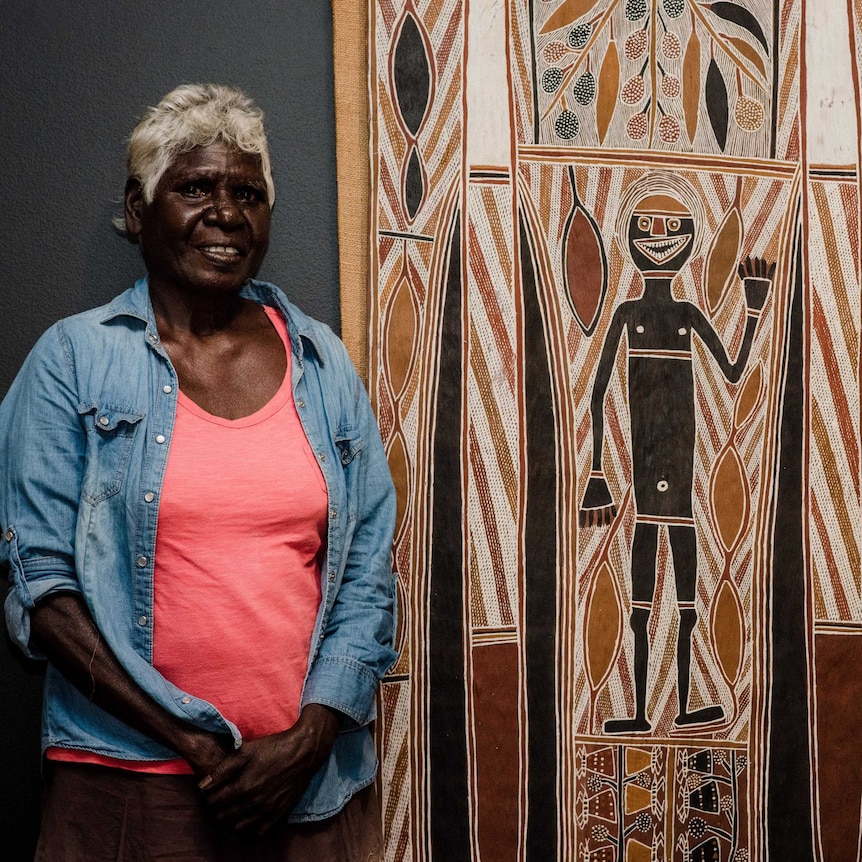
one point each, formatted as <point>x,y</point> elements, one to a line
<point>68,636</point>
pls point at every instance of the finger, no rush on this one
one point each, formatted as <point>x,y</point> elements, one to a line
<point>223,773</point>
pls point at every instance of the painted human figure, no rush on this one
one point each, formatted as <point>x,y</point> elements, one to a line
<point>661,235</point>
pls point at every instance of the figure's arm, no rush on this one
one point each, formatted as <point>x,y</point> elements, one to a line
<point>757,277</point>
<point>597,507</point>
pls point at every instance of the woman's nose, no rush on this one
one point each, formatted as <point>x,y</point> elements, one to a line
<point>224,209</point>
<point>658,226</point>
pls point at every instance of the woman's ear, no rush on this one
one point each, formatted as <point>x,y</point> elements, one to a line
<point>133,206</point>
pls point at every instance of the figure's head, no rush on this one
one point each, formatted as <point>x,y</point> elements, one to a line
<point>195,115</point>
<point>659,223</point>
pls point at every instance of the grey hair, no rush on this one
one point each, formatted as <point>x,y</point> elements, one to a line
<point>194,115</point>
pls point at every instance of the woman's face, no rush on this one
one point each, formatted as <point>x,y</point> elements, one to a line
<point>207,228</point>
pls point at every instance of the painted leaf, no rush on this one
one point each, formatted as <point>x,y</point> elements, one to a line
<point>567,13</point>
<point>637,851</point>
<point>608,89</point>
<point>749,396</point>
<point>602,627</point>
<point>402,641</point>
<point>723,255</point>
<point>585,264</point>
<point>411,74</point>
<point>400,333</point>
<point>727,631</point>
<point>749,52</point>
<point>414,184</point>
<point>691,85</point>
<point>399,468</point>
<point>716,103</point>
<point>729,498</point>
<point>603,762</point>
<point>739,15</point>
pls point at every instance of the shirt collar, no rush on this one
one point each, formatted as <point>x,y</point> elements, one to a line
<point>135,303</point>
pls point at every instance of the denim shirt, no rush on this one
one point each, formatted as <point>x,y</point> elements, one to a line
<point>85,432</point>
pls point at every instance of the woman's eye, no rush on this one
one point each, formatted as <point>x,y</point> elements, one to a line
<point>673,224</point>
<point>248,194</point>
<point>644,223</point>
<point>194,190</point>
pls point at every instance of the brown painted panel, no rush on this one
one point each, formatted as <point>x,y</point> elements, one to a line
<point>838,682</point>
<point>495,701</point>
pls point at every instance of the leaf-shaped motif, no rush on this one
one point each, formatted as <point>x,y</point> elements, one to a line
<point>749,52</point>
<point>637,760</point>
<point>411,74</point>
<point>729,498</point>
<point>567,13</point>
<point>716,103</point>
<point>585,263</point>
<point>691,85</point>
<point>414,184</point>
<point>637,851</point>
<point>737,14</point>
<point>749,395</point>
<point>603,626</point>
<point>400,333</point>
<point>636,798</point>
<point>727,631</point>
<point>402,642</point>
<point>608,89</point>
<point>723,255</point>
<point>399,468</point>
<point>603,762</point>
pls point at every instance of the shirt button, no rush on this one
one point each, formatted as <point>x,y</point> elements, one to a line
<point>186,699</point>
<point>149,496</point>
<point>103,420</point>
<point>142,621</point>
<point>333,514</point>
<point>9,535</point>
<point>141,561</point>
<point>321,456</point>
<point>300,403</point>
<point>167,389</point>
<point>331,576</point>
<point>160,438</point>
<point>152,338</point>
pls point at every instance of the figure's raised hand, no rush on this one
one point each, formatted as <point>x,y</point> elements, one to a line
<point>756,275</point>
<point>597,508</point>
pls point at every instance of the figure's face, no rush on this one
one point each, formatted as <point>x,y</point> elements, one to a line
<point>207,228</point>
<point>661,235</point>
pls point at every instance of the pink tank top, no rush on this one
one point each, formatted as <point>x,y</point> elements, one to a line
<point>240,543</point>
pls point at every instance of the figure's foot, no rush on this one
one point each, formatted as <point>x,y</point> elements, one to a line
<point>627,725</point>
<point>706,715</point>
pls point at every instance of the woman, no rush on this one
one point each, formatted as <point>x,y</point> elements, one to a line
<point>197,517</point>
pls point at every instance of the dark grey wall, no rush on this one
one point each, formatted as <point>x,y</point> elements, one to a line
<point>75,77</point>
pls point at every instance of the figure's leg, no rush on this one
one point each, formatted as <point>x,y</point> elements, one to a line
<point>643,587</point>
<point>683,544</point>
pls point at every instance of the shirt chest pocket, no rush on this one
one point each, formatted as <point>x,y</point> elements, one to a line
<point>110,437</point>
<point>348,445</point>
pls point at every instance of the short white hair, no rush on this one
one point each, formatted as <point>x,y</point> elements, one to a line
<point>195,115</point>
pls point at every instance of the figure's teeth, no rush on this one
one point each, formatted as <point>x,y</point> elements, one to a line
<point>221,249</point>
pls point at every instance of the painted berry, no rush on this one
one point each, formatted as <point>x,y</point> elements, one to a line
<point>567,125</point>
<point>636,44</point>
<point>585,88</point>
<point>636,9</point>
<point>668,129</point>
<point>670,45</point>
<point>636,127</point>
<point>551,79</point>
<point>748,114</point>
<point>555,51</point>
<point>633,90</point>
<point>643,822</point>
<point>673,8</point>
<point>580,35</point>
<point>670,86</point>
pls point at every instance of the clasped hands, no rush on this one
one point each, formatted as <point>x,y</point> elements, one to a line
<point>258,785</point>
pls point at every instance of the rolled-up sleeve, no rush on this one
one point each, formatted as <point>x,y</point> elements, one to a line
<point>42,449</point>
<point>357,647</point>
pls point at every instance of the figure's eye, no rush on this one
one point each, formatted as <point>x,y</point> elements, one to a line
<point>673,224</point>
<point>644,223</point>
